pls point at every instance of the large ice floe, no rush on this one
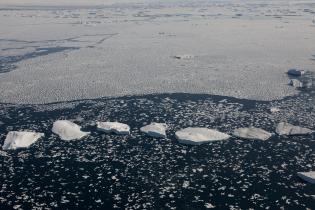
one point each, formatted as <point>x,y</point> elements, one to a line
<point>308,176</point>
<point>67,130</point>
<point>20,139</point>
<point>198,136</point>
<point>252,133</point>
<point>285,128</point>
<point>113,127</point>
<point>155,130</point>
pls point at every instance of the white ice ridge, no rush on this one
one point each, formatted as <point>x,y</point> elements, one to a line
<point>20,139</point>
<point>155,130</point>
<point>67,130</point>
<point>198,136</point>
<point>113,127</point>
<point>308,176</point>
<point>285,128</point>
<point>252,133</point>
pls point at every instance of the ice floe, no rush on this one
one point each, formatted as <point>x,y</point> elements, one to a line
<point>20,139</point>
<point>307,176</point>
<point>198,136</point>
<point>113,127</point>
<point>296,72</point>
<point>155,130</point>
<point>296,83</point>
<point>285,128</point>
<point>252,133</point>
<point>67,130</point>
<point>184,57</point>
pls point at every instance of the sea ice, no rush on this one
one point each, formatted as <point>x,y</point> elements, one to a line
<point>307,176</point>
<point>252,133</point>
<point>67,130</point>
<point>113,127</point>
<point>20,139</point>
<point>296,72</point>
<point>285,128</point>
<point>155,130</point>
<point>296,83</point>
<point>184,57</point>
<point>198,136</point>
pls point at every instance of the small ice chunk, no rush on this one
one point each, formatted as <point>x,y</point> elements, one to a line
<point>274,109</point>
<point>285,128</point>
<point>296,83</point>
<point>115,127</point>
<point>67,130</point>
<point>157,130</point>
<point>184,57</point>
<point>198,136</point>
<point>296,72</point>
<point>20,139</point>
<point>307,176</point>
<point>252,133</point>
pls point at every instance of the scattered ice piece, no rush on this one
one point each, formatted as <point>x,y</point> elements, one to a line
<point>155,130</point>
<point>20,139</point>
<point>307,176</point>
<point>252,133</point>
<point>209,206</point>
<point>274,109</point>
<point>296,72</point>
<point>285,128</point>
<point>296,83</point>
<point>67,130</point>
<point>184,57</point>
<point>198,136</point>
<point>115,127</point>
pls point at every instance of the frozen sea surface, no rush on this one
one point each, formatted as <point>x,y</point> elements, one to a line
<point>137,171</point>
<point>51,52</point>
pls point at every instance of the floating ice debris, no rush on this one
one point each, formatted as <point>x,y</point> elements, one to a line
<point>67,130</point>
<point>252,133</point>
<point>296,83</point>
<point>284,128</point>
<point>274,109</point>
<point>113,127</point>
<point>155,130</point>
<point>184,57</point>
<point>198,136</point>
<point>20,139</point>
<point>307,176</point>
<point>296,72</point>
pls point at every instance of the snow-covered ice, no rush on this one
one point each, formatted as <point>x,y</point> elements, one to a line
<point>68,130</point>
<point>155,130</point>
<point>252,133</point>
<point>113,127</point>
<point>20,139</point>
<point>198,136</point>
<point>308,176</point>
<point>285,128</point>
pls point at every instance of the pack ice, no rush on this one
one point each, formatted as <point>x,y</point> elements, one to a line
<point>20,139</point>
<point>198,136</point>
<point>157,130</point>
<point>252,133</point>
<point>113,127</point>
<point>67,130</point>
<point>285,128</point>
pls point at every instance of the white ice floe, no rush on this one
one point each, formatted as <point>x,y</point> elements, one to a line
<point>285,128</point>
<point>296,72</point>
<point>274,109</point>
<point>67,130</point>
<point>184,57</point>
<point>252,133</point>
<point>198,136</point>
<point>307,176</point>
<point>113,127</point>
<point>155,130</point>
<point>296,83</point>
<point>20,139</point>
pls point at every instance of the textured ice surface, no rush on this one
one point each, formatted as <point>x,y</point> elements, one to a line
<point>285,128</point>
<point>113,127</point>
<point>20,139</point>
<point>252,133</point>
<point>198,136</point>
<point>243,49</point>
<point>155,130</point>
<point>67,130</point>
<point>308,176</point>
